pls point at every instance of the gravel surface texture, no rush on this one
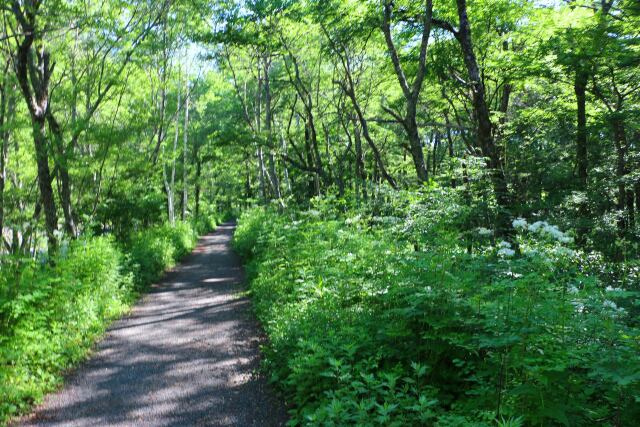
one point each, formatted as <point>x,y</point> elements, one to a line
<point>187,355</point>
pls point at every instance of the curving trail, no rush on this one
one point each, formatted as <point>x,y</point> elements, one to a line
<point>185,356</point>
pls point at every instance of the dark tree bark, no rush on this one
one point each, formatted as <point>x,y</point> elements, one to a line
<point>484,127</point>
<point>62,171</point>
<point>33,70</point>
<point>7,110</point>
<point>580,88</point>
<point>273,174</point>
<point>454,183</point>
<point>364,125</point>
<point>411,93</point>
<point>624,199</point>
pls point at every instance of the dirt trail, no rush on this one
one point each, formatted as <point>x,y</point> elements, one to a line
<point>185,356</point>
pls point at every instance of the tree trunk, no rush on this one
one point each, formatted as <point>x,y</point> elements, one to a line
<point>197,185</point>
<point>361,177</point>
<point>62,170</point>
<point>184,155</point>
<point>451,153</point>
<point>169,184</point>
<point>580,87</point>
<point>620,139</point>
<point>411,94</point>
<point>415,145</point>
<point>34,76</point>
<point>7,109</point>
<point>484,136</point>
<point>273,174</point>
<point>44,182</point>
<point>350,92</point>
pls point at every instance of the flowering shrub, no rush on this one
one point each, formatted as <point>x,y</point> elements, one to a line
<point>371,324</point>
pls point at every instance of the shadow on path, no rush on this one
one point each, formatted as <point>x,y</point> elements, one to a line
<point>185,356</point>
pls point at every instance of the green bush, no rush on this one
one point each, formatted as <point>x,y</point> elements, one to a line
<point>54,316</point>
<point>371,323</point>
<point>156,249</point>
<point>205,223</point>
<point>52,312</point>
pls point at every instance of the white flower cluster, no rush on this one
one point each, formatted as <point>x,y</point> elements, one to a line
<point>519,223</point>
<point>610,305</point>
<point>505,249</point>
<point>484,231</point>
<point>352,220</point>
<point>573,290</point>
<point>543,228</point>
<point>506,252</point>
<point>562,251</point>
<point>612,289</point>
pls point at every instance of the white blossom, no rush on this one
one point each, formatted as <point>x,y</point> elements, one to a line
<point>566,239</point>
<point>352,220</point>
<point>553,231</point>
<point>506,252</point>
<point>578,306</point>
<point>483,231</point>
<point>573,290</point>
<point>612,289</point>
<point>565,251</point>
<point>519,223</point>
<point>609,304</point>
<point>504,244</point>
<point>537,225</point>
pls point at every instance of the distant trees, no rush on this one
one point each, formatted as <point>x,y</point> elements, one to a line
<point>531,107</point>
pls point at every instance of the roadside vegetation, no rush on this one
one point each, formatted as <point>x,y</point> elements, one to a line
<point>53,310</point>
<point>378,317</point>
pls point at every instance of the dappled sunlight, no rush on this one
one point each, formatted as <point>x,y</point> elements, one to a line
<point>185,356</point>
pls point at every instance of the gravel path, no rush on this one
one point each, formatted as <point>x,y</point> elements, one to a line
<point>185,356</point>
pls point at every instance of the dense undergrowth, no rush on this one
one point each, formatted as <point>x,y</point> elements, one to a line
<point>52,312</point>
<point>389,315</point>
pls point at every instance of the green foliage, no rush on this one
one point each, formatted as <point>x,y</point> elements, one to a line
<point>52,312</point>
<point>369,324</point>
<point>154,250</point>
<point>54,315</point>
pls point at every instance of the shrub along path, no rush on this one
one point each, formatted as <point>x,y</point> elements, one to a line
<point>186,355</point>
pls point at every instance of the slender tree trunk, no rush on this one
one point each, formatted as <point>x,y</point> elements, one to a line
<point>484,129</point>
<point>44,182</point>
<point>197,185</point>
<point>185,185</point>
<point>33,70</point>
<point>273,174</point>
<point>7,109</point>
<point>635,195</point>
<point>285,169</point>
<point>415,145</point>
<point>580,87</point>
<point>620,139</point>
<point>361,177</point>
<point>169,183</point>
<point>411,93</point>
<point>367,137</point>
<point>454,183</point>
<point>62,170</point>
